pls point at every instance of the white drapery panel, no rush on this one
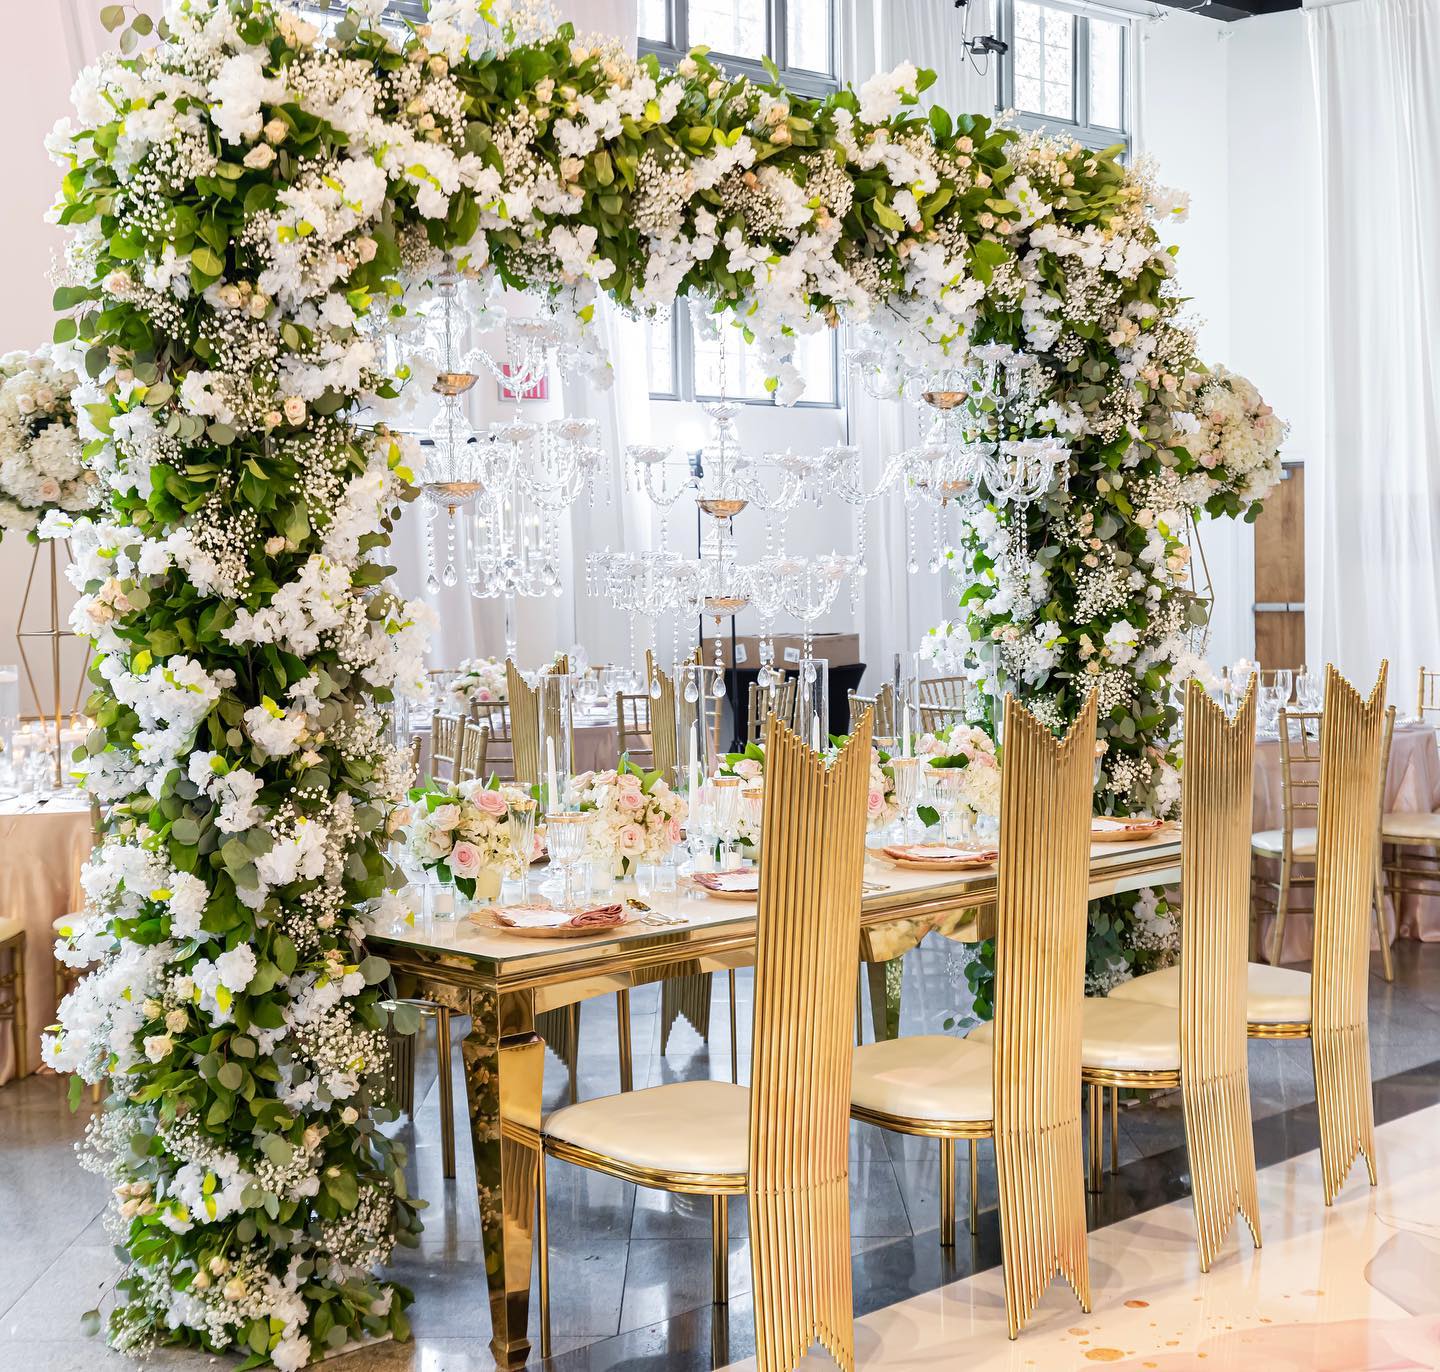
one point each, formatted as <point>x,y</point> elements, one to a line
<point>877,35</point>
<point>1375,65</point>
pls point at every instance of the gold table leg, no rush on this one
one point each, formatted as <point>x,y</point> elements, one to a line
<point>885,978</point>
<point>504,1070</point>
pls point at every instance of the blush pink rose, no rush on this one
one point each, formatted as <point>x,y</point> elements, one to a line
<point>674,831</point>
<point>874,802</point>
<point>748,768</point>
<point>632,838</point>
<point>464,860</point>
<point>490,802</point>
<point>630,800</point>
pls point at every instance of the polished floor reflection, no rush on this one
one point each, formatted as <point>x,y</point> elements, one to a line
<point>631,1268</point>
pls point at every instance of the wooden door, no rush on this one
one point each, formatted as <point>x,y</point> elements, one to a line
<point>1280,574</point>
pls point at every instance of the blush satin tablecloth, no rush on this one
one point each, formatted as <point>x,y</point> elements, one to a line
<point>42,849</point>
<point>1411,784</point>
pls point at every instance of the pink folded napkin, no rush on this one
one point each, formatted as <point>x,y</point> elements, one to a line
<point>545,917</point>
<point>729,881</point>
<point>941,852</point>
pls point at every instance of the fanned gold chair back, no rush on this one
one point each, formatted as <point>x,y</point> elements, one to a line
<point>665,730</point>
<point>524,725</point>
<point>808,928</point>
<point>445,746</point>
<point>1216,806</point>
<point>1345,856</point>
<point>1041,920</point>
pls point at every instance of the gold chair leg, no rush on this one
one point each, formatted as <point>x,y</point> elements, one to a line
<point>974,1186</point>
<point>447,1086</point>
<point>1386,964</point>
<point>1097,1142</point>
<point>859,1012</point>
<point>20,1026</point>
<point>543,1239</point>
<point>734,1034</point>
<point>947,1193</point>
<point>572,1061</point>
<point>627,1057</point>
<point>1282,908</point>
<point>719,1250</point>
<point>1114,1129</point>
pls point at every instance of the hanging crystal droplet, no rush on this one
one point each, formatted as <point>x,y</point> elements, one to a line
<point>432,582</point>
<point>912,566</point>
<point>692,692</point>
<point>718,689</point>
<point>655,689</point>
<point>452,577</point>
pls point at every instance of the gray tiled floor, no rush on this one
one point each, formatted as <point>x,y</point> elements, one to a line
<point>623,1260</point>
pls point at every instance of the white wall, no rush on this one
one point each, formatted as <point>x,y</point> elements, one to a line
<point>46,45</point>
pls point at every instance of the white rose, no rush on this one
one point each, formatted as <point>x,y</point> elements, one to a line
<point>176,1021</point>
<point>277,131</point>
<point>158,1047</point>
<point>366,249</point>
<point>294,409</point>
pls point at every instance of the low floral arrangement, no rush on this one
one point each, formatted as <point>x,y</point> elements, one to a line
<point>461,831</point>
<point>749,765</point>
<point>881,809</point>
<point>638,818</point>
<point>42,466</point>
<point>964,747</point>
<point>480,681</point>
<point>1238,436</point>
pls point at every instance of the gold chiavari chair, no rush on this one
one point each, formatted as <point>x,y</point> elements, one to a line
<point>1134,1043</point>
<point>783,1143</point>
<point>1427,696</point>
<point>1410,839</point>
<point>474,746</point>
<point>500,751</point>
<point>445,746</point>
<point>765,701</point>
<point>12,990</point>
<point>882,707</point>
<point>632,724</point>
<point>1329,1006</point>
<point>1016,1080</point>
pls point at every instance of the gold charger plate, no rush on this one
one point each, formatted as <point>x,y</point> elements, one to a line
<point>558,931</point>
<point>937,864</point>
<point>1127,835</point>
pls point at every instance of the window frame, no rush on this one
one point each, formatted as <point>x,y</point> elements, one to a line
<point>1097,136</point>
<point>676,45</point>
<point>670,51</point>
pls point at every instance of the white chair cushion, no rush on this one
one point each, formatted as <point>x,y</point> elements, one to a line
<point>1410,824</point>
<point>1274,995</point>
<point>9,926</point>
<point>926,1077</point>
<point>1130,1036</point>
<point>1272,842</point>
<point>687,1126</point>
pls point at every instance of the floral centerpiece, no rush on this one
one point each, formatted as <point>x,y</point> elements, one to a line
<point>42,464</point>
<point>1237,436</point>
<point>638,817</point>
<point>972,750</point>
<point>462,834</point>
<point>480,681</point>
<point>749,765</point>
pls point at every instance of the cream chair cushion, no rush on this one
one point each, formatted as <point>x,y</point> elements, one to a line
<point>9,926</point>
<point>1274,995</point>
<point>1412,825</point>
<point>686,1126</point>
<point>1130,1036</point>
<point>926,1077</point>
<point>1272,842</point>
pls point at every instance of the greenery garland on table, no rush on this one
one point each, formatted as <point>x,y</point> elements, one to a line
<point>252,204</point>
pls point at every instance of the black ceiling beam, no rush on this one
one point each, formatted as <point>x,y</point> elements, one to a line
<point>1227,11</point>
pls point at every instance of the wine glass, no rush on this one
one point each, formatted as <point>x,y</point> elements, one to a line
<point>906,771</point>
<point>1284,684</point>
<point>700,826</point>
<point>942,793</point>
<point>727,796</point>
<point>566,835</point>
<point>520,822</point>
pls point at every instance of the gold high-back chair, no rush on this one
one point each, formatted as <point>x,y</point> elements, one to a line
<point>882,707</point>
<point>666,733</point>
<point>766,701</point>
<point>783,1143</point>
<point>632,723</point>
<point>1197,1041</point>
<point>474,745</point>
<point>1344,886</point>
<point>1294,842</point>
<point>1427,696</point>
<point>1016,1080</point>
<point>524,725</point>
<point>444,746</point>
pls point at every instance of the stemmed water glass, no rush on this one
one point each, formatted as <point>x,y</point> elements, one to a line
<point>906,771</point>
<point>520,822</point>
<point>1284,685</point>
<point>942,791</point>
<point>727,794</point>
<point>566,835</point>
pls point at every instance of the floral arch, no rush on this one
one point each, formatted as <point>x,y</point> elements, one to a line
<point>251,204</point>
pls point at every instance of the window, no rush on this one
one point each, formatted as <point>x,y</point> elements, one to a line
<point>799,37</point>
<point>1066,72</point>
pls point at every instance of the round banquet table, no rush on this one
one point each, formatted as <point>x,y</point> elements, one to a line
<point>1411,784</point>
<point>43,846</point>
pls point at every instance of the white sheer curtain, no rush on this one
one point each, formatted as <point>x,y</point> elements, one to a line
<point>877,35</point>
<point>1375,64</point>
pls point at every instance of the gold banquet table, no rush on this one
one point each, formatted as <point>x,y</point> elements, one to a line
<point>503,982</point>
